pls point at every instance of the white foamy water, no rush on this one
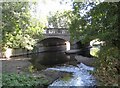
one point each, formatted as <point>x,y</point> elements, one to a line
<point>81,76</point>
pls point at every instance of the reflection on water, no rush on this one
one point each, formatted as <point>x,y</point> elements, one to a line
<point>48,59</point>
<point>80,76</point>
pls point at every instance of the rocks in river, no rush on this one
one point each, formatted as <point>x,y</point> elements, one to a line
<point>52,75</point>
<point>85,60</point>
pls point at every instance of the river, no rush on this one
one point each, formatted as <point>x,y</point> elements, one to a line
<point>80,76</point>
<point>78,73</point>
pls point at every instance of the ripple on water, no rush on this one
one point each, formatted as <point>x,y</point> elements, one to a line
<point>80,76</point>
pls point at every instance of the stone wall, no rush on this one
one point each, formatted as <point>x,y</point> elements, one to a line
<point>16,52</point>
<point>19,52</point>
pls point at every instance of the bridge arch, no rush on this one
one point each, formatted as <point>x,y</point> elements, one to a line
<point>52,41</point>
<point>53,44</point>
<point>60,36</point>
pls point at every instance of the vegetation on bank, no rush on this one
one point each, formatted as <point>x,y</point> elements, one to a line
<point>99,21</point>
<point>19,30</point>
<point>107,66</point>
<point>22,80</point>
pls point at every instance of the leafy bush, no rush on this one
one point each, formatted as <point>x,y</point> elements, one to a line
<point>19,29</point>
<point>18,80</point>
<point>107,66</point>
<point>101,22</point>
<point>94,51</point>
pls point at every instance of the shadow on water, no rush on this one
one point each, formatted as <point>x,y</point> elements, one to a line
<point>48,59</point>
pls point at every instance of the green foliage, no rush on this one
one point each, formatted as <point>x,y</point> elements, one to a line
<point>79,22</point>
<point>59,19</point>
<point>107,67</point>
<point>19,29</point>
<point>101,22</point>
<point>98,22</point>
<point>94,51</point>
<point>32,69</point>
<point>21,80</point>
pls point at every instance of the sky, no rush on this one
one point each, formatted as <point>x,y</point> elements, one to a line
<point>43,7</point>
<point>51,5</point>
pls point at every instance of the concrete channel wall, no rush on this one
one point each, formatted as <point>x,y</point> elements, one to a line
<point>16,52</point>
<point>19,52</point>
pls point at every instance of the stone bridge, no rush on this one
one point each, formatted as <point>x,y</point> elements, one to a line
<point>61,33</point>
<point>57,37</point>
<point>54,39</point>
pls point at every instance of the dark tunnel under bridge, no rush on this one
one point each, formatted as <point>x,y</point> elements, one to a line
<point>52,44</point>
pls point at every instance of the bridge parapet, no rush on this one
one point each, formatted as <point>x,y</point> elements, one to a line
<point>56,31</point>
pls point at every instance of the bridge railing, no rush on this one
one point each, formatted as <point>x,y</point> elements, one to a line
<point>56,31</point>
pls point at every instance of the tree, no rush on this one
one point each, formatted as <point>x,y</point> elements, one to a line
<point>59,20</point>
<point>101,22</point>
<point>19,29</point>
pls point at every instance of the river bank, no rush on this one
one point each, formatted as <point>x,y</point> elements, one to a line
<point>21,65</point>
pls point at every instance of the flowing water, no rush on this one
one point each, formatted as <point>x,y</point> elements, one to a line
<point>80,76</point>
